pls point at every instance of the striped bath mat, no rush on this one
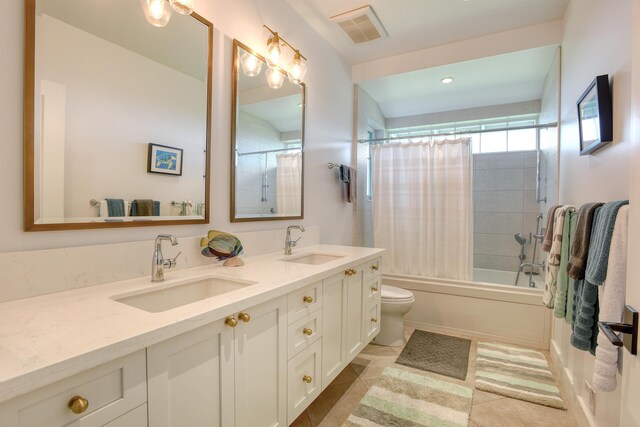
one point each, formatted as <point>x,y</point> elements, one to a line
<point>518,373</point>
<point>403,398</point>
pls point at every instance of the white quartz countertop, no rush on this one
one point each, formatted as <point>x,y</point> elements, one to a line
<point>51,337</point>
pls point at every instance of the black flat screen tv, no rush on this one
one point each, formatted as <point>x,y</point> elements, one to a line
<point>595,116</point>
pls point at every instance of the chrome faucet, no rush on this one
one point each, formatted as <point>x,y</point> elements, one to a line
<point>158,263</point>
<point>288,243</point>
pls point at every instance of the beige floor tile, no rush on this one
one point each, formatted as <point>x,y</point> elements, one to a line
<point>302,421</point>
<point>335,403</point>
<point>516,413</point>
<point>480,396</point>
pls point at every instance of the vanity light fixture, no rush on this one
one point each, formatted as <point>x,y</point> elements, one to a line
<point>446,80</point>
<point>296,69</point>
<point>251,65</point>
<point>158,12</point>
<point>275,78</point>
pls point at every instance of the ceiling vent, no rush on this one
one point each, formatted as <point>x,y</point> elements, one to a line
<point>361,25</point>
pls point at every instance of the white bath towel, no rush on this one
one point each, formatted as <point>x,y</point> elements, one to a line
<point>611,299</point>
<point>553,258</point>
<point>104,209</point>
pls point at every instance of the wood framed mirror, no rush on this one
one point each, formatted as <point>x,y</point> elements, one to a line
<point>267,141</point>
<point>117,116</point>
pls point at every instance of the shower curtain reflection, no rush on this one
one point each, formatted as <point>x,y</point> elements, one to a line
<point>422,207</point>
<point>289,183</point>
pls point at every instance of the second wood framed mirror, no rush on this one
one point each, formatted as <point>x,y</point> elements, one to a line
<point>267,141</point>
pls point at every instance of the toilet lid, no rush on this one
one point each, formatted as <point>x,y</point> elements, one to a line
<point>395,294</point>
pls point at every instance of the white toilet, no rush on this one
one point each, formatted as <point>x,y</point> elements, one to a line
<point>396,302</point>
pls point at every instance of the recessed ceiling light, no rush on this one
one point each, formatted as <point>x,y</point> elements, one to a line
<point>447,80</point>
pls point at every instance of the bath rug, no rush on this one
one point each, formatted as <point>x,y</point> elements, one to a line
<point>516,372</point>
<point>442,354</point>
<point>406,399</point>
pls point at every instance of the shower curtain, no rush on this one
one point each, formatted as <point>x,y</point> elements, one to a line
<point>422,207</point>
<point>289,184</point>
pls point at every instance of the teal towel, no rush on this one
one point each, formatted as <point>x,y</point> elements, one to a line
<point>115,207</point>
<point>584,335</point>
<point>560,305</point>
<point>156,208</point>
<point>601,242</point>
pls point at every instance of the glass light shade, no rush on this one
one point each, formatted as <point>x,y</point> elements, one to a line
<point>184,7</point>
<point>273,51</point>
<point>157,12</point>
<point>297,69</point>
<point>274,78</point>
<point>250,64</point>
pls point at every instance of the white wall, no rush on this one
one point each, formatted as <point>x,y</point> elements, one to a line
<point>107,134</point>
<point>597,40</point>
<point>328,127</point>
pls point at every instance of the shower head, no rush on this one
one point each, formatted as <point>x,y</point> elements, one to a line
<point>520,239</point>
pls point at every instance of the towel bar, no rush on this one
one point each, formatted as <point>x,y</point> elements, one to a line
<point>629,328</point>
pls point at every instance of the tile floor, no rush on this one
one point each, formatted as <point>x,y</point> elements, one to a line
<point>335,403</point>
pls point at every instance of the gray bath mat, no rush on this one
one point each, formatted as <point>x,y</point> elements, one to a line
<point>437,353</point>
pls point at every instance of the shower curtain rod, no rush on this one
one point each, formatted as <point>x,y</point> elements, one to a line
<point>395,138</point>
<point>269,151</point>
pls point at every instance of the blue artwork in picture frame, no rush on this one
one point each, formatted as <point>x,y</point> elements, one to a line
<point>164,160</point>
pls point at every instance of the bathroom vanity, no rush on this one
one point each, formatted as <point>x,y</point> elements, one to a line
<point>249,346</point>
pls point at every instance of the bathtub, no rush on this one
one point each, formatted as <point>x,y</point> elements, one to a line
<point>501,277</point>
<point>484,310</point>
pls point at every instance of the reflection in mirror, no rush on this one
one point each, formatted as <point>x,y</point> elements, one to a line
<point>486,141</point>
<point>117,127</point>
<point>267,141</point>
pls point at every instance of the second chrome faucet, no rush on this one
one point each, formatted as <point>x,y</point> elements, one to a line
<point>288,243</point>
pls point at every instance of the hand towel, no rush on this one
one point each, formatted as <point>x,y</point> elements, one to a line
<point>554,257</point>
<point>601,242</point>
<point>562,291</point>
<point>348,178</point>
<point>548,234</point>
<point>145,207</point>
<point>585,326</point>
<point>115,207</point>
<point>580,243</point>
<point>612,299</point>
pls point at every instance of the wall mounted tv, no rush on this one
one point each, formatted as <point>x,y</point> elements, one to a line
<point>595,116</point>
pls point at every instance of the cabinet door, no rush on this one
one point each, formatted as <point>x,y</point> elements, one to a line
<point>260,366</point>
<point>190,378</point>
<point>334,336</point>
<point>355,307</point>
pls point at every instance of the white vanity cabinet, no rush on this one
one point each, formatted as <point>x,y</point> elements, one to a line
<point>229,373</point>
<point>105,395</point>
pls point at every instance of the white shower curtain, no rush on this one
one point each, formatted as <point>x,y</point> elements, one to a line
<point>289,184</point>
<point>422,207</point>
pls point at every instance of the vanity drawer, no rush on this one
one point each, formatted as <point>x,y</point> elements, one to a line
<point>135,418</point>
<point>304,301</point>
<point>372,320</point>
<point>372,269</point>
<point>303,384</point>
<point>304,332</point>
<point>111,391</point>
<point>372,290</point>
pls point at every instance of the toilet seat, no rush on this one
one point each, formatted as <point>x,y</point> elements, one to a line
<point>397,295</point>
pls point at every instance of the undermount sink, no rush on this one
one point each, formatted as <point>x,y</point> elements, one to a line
<point>313,258</point>
<point>173,296</point>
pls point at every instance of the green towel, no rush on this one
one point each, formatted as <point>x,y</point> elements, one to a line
<point>560,306</point>
<point>145,208</point>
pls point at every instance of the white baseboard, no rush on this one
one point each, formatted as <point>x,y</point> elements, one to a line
<point>574,399</point>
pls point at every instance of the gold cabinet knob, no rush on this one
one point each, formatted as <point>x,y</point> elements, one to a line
<point>374,320</point>
<point>350,272</point>
<point>307,299</point>
<point>374,288</point>
<point>354,271</point>
<point>347,273</point>
<point>231,322</point>
<point>244,317</point>
<point>78,404</point>
<point>307,331</point>
<point>307,379</point>
<point>375,267</point>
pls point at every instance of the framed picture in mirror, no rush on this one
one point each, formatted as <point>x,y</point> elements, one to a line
<point>164,160</point>
<point>595,116</point>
